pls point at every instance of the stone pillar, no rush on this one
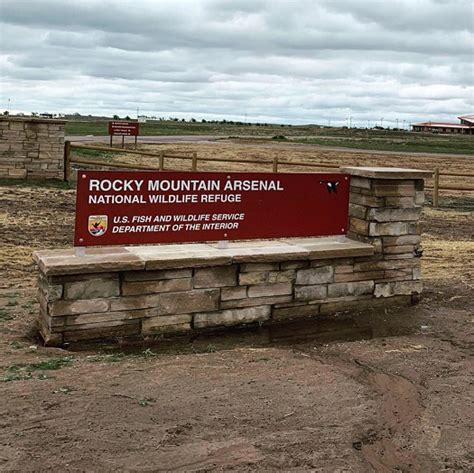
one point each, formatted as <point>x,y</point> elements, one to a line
<point>31,148</point>
<point>384,210</point>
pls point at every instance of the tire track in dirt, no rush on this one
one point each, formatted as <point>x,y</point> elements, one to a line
<point>399,401</point>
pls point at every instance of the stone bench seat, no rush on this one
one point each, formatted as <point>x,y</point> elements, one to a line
<point>174,256</point>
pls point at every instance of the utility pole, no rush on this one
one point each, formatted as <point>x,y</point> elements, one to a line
<point>381,123</point>
<point>137,113</point>
<point>397,122</point>
<point>350,122</point>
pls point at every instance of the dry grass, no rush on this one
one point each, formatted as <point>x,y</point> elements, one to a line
<point>300,154</point>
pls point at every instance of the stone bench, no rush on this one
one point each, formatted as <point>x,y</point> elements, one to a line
<point>186,288</point>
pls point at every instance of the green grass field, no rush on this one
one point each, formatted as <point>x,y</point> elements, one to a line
<point>380,140</point>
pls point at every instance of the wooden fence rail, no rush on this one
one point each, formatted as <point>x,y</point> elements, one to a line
<point>275,163</point>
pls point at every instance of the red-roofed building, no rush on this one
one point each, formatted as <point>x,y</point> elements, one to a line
<point>465,127</point>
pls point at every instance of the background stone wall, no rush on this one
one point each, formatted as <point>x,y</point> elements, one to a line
<point>31,148</point>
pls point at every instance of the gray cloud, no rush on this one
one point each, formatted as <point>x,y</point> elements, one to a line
<point>281,60</point>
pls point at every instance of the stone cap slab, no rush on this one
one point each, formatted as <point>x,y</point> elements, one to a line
<point>387,173</point>
<point>179,256</point>
<point>8,118</point>
<point>332,247</point>
<point>131,258</point>
<point>96,260</point>
<point>266,251</point>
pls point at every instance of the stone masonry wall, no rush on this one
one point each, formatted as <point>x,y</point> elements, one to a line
<point>31,148</point>
<point>184,289</point>
<point>386,213</point>
<point>180,301</point>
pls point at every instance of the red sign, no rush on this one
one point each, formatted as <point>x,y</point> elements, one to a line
<point>123,128</point>
<point>118,208</point>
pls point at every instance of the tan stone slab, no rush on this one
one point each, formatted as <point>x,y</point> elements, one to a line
<point>232,317</point>
<point>90,263</point>
<point>99,260</point>
<point>256,301</point>
<point>126,328</point>
<point>271,251</point>
<point>386,172</point>
<point>179,256</point>
<point>151,249</point>
<point>120,250</point>
<point>333,247</point>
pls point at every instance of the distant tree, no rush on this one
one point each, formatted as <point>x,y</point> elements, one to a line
<point>6,113</point>
<point>183,119</point>
<point>127,118</point>
<point>203,121</point>
<point>116,117</point>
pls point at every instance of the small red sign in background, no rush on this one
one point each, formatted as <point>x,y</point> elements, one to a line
<point>121,128</point>
<point>120,208</point>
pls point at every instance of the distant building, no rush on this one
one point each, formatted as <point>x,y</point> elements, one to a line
<point>467,120</point>
<point>465,127</point>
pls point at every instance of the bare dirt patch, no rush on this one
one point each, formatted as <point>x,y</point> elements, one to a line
<point>364,391</point>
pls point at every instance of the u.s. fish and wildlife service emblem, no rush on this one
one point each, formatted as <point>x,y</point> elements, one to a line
<point>97,225</point>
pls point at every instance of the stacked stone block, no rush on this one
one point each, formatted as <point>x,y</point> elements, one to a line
<point>385,212</point>
<point>31,148</point>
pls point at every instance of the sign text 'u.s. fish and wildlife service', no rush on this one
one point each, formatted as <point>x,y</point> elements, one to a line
<point>140,207</point>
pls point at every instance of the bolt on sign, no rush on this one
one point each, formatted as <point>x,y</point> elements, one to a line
<point>140,207</point>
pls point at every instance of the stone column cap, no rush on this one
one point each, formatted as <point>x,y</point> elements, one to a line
<point>387,173</point>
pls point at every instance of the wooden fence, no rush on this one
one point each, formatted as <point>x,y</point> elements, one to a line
<point>274,164</point>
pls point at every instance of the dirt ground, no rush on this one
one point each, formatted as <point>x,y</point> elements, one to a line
<point>362,391</point>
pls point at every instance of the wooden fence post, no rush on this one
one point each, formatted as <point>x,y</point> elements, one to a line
<point>195,161</point>
<point>67,160</point>
<point>275,164</point>
<point>161,165</point>
<point>436,188</point>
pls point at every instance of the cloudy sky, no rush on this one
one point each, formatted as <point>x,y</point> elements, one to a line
<point>300,61</point>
